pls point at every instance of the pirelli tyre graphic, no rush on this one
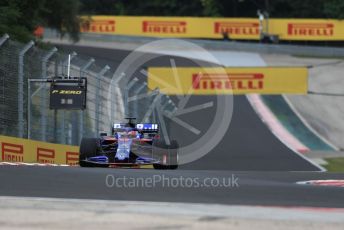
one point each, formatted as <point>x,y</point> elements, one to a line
<point>195,138</point>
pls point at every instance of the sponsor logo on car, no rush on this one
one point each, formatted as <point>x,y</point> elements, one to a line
<point>164,27</point>
<point>311,29</point>
<point>237,28</point>
<point>12,152</point>
<point>239,81</point>
<point>102,26</point>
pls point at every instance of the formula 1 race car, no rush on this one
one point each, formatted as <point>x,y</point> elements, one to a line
<point>129,145</point>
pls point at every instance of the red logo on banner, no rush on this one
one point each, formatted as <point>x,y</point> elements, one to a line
<point>12,152</point>
<point>237,28</point>
<point>45,156</point>
<point>72,158</point>
<point>164,27</point>
<point>311,29</point>
<point>240,81</point>
<point>102,26</point>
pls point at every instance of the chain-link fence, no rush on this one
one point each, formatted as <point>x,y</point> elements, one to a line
<point>25,105</point>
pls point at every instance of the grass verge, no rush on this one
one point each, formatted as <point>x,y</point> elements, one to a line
<point>335,164</point>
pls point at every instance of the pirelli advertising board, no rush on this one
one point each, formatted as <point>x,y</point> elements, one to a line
<point>29,151</point>
<point>183,27</point>
<point>307,29</point>
<point>214,81</point>
<point>196,27</point>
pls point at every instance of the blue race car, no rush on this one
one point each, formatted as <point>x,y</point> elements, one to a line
<point>129,145</point>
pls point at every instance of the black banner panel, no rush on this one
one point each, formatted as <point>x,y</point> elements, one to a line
<point>68,95</point>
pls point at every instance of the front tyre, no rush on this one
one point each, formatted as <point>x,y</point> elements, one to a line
<point>88,148</point>
<point>166,154</point>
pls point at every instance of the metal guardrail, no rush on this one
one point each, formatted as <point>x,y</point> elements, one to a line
<point>20,62</point>
<point>301,50</point>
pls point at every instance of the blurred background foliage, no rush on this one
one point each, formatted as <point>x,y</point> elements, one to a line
<point>217,8</point>
<point>19,18</point>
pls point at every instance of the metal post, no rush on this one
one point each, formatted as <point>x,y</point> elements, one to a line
<point>66,63</point>
<point>43,94</point>
<point>113,105</point>
<point>162,102</point>
<point>81,113</point>
<point>63,112</point>
<point>136,102</point>
<point>164,126</point>
<point>174,108</point>
<point>99,75</point>
<point>29,102</point>
<point>62,128</point>
<point>126,95</point>
<point>151,108</point>
<point>167,103</point>
<point>28,109</point>
<point>3,39</point>
<point>86,66</point>
<point>21,88</point>
<point>261,24</point>
<point>68,67</point>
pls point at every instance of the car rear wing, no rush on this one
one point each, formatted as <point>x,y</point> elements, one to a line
<point>148,127</point>
<point>142,127</point>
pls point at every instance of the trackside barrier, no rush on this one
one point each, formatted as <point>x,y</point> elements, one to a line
<point>29,151</point>
<point>212,81</point>
<point>25,102</point>
<point>196,27</point>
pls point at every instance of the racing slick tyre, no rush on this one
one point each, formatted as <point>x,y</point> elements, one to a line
<point>88,148</point>
<point>166,154</point>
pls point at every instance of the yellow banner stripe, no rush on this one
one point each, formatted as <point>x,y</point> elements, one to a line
<point>235,28</point>
<point>29,151</point>
<point>213,81</point>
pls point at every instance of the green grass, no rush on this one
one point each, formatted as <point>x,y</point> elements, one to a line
<point>335,164</point>
<point>317,57</point>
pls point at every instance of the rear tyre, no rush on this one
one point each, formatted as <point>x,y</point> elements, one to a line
<point>166,154</point>
<point>88,148</point>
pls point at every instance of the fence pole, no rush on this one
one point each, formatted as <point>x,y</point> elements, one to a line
<point>21,88</point>
<point>28,109</point>
<point>97,102</point>
<point>113,102</point>
<point>3,39</point>
<point>82,112</point>
<point>86,66</point>
<point>151,108</point>
<point>167,103</point>
<point>65,63</point>
<point>126,95</point>
<point>43,94</point>
<point>136,102</point>
<point>63,112</point>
